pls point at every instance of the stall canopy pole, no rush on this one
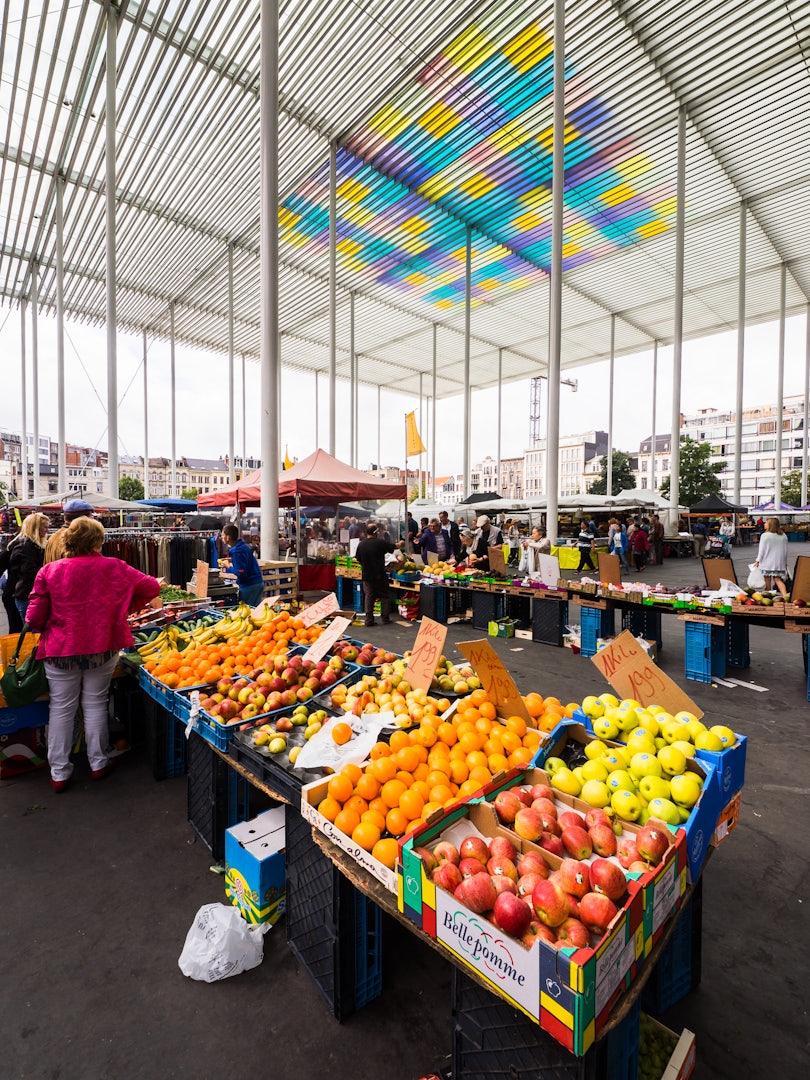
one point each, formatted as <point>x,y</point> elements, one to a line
<point>60,334</point>
<point>680,232</point>
<point>611,376</point>
<point>270,342</point>
<point>654,443</point>
<point>352,384</point>
<point>173,472</point>
<point>317,414</point>
<point>332,291</point>
<point>35,370</point>
<point>407,534</point>
<point>145,422</point>
<point>433,423</point>
<point>805,443</point>
<point>112,345</point>
<point>298,529</point>
<point>244,418</point>
<point>231,362</point>
<point>23,494</point>
<point>420,489</point>
<point>467,391</point>
<point>555,283</point>
<point>740,357</point>
<point>780,390</point>
<point>379,428</point>
<point>499,488</point>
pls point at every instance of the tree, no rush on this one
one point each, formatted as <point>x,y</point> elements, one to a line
<point>698,473</point>
<point>622,479</point>
<point>190,493</point>
<point>792,488</point>
<point>130,488</point>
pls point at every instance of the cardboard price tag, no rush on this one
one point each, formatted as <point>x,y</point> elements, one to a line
<point>632,674</point>
<point>321,646</point>
<point>497,563</point>
<point>315,612</point>
<point>201,580</point>
<point>495,679</point>
<point>610,568</point>
<point>548,566</point>
<point>432,557</point>
<point>427,649</point>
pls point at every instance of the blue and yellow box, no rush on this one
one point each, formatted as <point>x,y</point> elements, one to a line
<point>729,768</point>
<point>255,865</point>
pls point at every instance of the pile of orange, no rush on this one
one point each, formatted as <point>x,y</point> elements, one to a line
<point>305,635</point>
<point>426,769</point>
<point>206,664</point>
<point>548,712</point>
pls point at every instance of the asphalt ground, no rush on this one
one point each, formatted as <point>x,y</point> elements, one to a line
<point>101,885</point>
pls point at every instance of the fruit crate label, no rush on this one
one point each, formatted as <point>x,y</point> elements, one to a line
<point>427,650</point>
<point>632,674</point>
<point>495,679</point>
<point>315,612</point>
<point>612,965</point>
<point>665,895</point>
<point>321,646</point>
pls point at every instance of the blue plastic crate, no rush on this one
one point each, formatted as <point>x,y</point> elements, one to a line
<point>737,652</point>
<point>595,623</point>
<point>165,744</point>
<point>367,950</point>
<point>618,1052</point>
<point>23,716</point>
<point>643,622</point>
<point>157,690</point>
<point>433,602</point>
<point>678,969</point>
<point>344,590</point>
<point>704,651</point>
<point>218,797</point>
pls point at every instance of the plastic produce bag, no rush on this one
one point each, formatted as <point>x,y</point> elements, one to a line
<point>220,944</point>
<point>756,579</point>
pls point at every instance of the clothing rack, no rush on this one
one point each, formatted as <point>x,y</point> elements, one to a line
<point>170,555</point>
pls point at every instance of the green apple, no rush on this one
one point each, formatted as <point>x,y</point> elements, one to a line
<point>673,761</point>
<point>725,735</point>
<point>605,728</point>
<point>685,813</point>
<point>695,727</point>
<point>595,748</point>
<point>660,741</point>
<point>609,700</point>
<point>620,780</point>
<point>686,748</point>
<point>592,706</point>
<point>685,789</point>
<point>618,758</point>
<point>626,718</point>
<point>684,716</point>
<point>594,770</point>
<point>673,731</point>
<point>629,703</point>
<point>595,793</point>
<point>648,722</point>
<point>664,810</point>
<point>626,805</point>
<point>644,764</point>
<point>654,787</point>
<point>708,740</point>
<point>563,779</point>
<point>641,742</point>
<point>552,764</point>
<point>654,710</point>
<point>578,774</point>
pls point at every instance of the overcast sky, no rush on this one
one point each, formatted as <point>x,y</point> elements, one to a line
<point>709,380</point>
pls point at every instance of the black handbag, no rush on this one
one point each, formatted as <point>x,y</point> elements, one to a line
<point>23,681</point>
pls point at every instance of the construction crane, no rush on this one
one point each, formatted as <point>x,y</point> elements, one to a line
<point>535,406</point>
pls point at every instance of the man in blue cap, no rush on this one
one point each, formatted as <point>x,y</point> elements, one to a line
<point>74,508</point>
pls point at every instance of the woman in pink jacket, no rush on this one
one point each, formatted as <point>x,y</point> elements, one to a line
<point>80,605</point>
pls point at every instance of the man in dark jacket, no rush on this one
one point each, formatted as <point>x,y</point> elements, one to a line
<point>453,533</point>
<point>371,554</point>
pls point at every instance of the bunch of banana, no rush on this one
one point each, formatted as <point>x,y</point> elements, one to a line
<point>166,639</point>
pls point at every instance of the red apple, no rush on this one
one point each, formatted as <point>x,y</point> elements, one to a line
<point>284,723</point>
<point>523,794</point>
<point>597,816</point>
<point>528,824</point>
<point>537,932</point>
<point>507,805</point>
<point>574,934</point>
<point>502,847</point>
<point>607,878</point>
<point>542,791</point>
<point>545,806</point>
<point>529,862</point>
<point>527,882</point>
<point>626,851</point>
<point>573,906</point>
<point>447,876</point>
<point>468,867</point>
<point>570,819</point>
<point>446,852</point>
<point>652,841</point>
<point>552,843</point>
<point>574,877</point>
<point>477,893</point>
<point>474,847</point>
<point>511,914</point>
<point>429,860</point>
<point>499,866</point>
<point>504,884</point>
<point>577,842</point>
<point>597,911</point>
<point>603,839</point>
<point>550,902</point>
<point>639,867</point>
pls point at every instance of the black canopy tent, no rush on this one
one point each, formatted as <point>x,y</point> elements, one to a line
<point>713,505</point>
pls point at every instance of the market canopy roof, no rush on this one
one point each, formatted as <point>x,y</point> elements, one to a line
<point>783,508</point>
<point>441,114</point>
<point>179,505</point>
<point>716,504</point>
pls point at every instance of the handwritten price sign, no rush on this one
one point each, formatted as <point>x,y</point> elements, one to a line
<point>427,649</point>
<point>315,612</point>
<point>495,679</point>
<point>632,674</point>
<point>321,646</point>
<point>201,580</point>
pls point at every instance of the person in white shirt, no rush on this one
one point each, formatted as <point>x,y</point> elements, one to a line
<point>726,530</point>
<point>772,555</point>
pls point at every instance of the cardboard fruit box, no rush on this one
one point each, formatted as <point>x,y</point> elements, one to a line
<point>681,1064</point>
<point>255,866</point>
<point>568,992</point>
<point>702,821</point>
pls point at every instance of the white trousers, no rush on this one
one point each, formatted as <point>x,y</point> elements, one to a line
<point>66,689</point>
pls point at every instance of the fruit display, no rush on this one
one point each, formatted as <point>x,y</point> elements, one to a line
<point>282,683</point>
<point>762,597</point>
<point>441,569</point>
<point>452,678</point>
<point>362,654</point>
<point>283,736</point>
<point>655,1048</point>
<point>387,692</point>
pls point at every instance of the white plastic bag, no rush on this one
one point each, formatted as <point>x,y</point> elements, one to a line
<point>756,579</point>
<point>220,944</point>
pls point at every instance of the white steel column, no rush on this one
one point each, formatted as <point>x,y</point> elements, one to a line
<point>420,491</point>
<point>352,384</point>
<point>500,418</point>
<point>332,292</point>
<point>467,392</point>
<point>244,418</point>
<point>35,370</point>
<point>780,390</point>
<point>555,282</point>
<point>24,404</point>
<point>677,344</point>
<point>611,369</point>
<point>379,427</point>
<point>317,415</point>
<point>654,444</point>
<point>173,470</point>
<point>231,362</point>
<point>433,409</point>
<point>145,422</point>
<point>737,482</point>
<point>109,183</point>
<point>805,448</point>
<point>270,343</point>
<point>60,336</point>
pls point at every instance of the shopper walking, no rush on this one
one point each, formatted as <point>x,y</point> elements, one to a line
<point>772,556</point>
<point>585,545</point>
<point>617,542</point>
<point>640,546</point>
<point>79,605</point>
<point>656,538</point>
<point>27,556</point>
<point>243,564</point>
<point>15,623</point>
<point>371,554</point>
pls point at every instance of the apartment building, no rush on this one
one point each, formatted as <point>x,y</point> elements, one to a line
<point>575,453</point>
<point>662,455</point>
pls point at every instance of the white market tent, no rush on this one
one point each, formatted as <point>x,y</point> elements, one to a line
<point>416,205</point>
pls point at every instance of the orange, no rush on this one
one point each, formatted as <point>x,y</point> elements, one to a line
<point>347,821</point>
<point>468,788</point>
<point>510,741</point>
<point>411,804</point>
<point>356,803</point>
<point>422,788</point>
<point>459,771</point>
<point>340,788</point>
<point>374,817</point>
<point>399,740</point>
<point>396,822</point>
<point>483,725</point>
<point>487,710</point>
<point>534,705</point>
<point>497,763</point>
<point>341,732</point>
<point>379,806</point>
<point>441,793</point>
<point>383,769</point>
<point>437,776</point>
<point>521,756</point>
<point>430,808</point>
<point>476,759</point>
<point>406,759</point>
<point>367,787</point>
<point>421,753</point>
<point>478,697</point>
<point>405,777</point>
<point>366,835</point>
<point>329,807</point>
<point>480,775</point>
<point>425,735</point>
<point>470,741</point>
<point>516,724</point>
<point>391,792</point>
<point>421,771</point>
<point>379,750</point>
<point>447,733</point>
<point>387,852</point>
<point>354,772</point>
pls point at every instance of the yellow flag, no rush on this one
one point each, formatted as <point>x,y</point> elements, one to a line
<point>287,463</point>
<point>414,444</point>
